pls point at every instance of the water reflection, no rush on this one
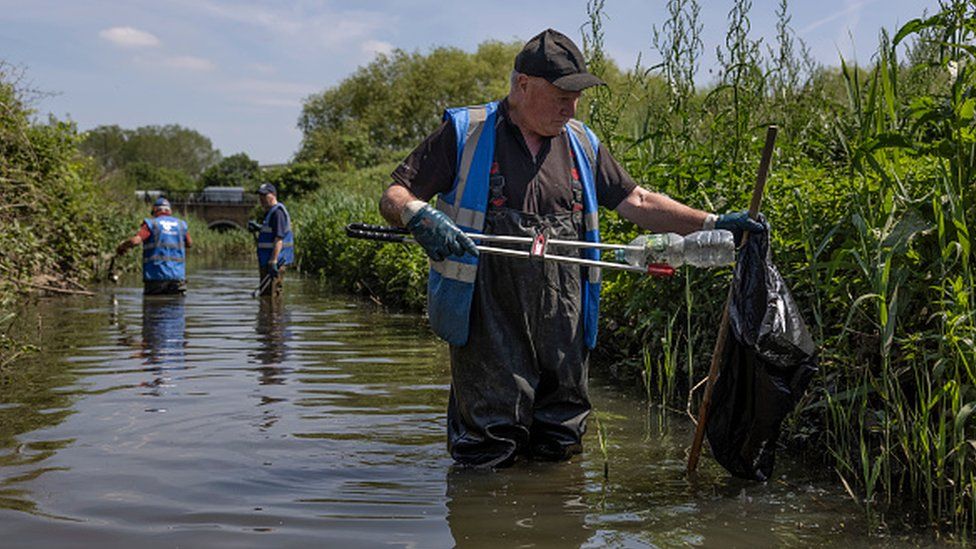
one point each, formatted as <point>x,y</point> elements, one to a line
<point>272,333</point>
<point>163,345</point>
<point>523,506</point>
<point>164,329</point>
<point>315,421</point>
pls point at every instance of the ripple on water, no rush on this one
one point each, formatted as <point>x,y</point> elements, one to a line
<point>221,420</point>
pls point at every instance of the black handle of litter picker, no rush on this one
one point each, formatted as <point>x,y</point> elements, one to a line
<point>376,232</point>
<point>366,227</point>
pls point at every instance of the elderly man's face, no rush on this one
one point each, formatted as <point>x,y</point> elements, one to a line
<point>546,108</point>
<point>266,201</point>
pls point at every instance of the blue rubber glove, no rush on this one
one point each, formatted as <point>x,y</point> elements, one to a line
<point>438,235</point>
<point>737,222</point>
<point>253,226</point>
<point>272,268</point>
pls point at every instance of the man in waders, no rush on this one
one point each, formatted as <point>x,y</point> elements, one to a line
<point>520,330</point>
<point>164,240</point>
<point>275,241</point>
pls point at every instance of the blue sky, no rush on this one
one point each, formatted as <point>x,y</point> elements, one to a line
<point>237,71</point>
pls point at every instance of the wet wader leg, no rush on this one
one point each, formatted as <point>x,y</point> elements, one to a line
<point>492,377</point>
<point>273,288</point>
<point>562,402</point>
<point>522,375</point>
<point>164,287</point>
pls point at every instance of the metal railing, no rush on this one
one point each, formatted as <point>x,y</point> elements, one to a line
<point>200,198</point>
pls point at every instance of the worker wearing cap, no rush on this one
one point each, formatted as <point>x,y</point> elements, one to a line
<point>164,240</point>
<point>520,331</point>
<point>275,241</point>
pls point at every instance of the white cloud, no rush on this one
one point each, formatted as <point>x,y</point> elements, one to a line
<point>188,62</point>
<point>129,37</point>
<point>274,87</point>
<point>275,103</point>
<point>376,47</point>
<point>269,93</point>
<point>851,10</point>
<point>275,20</point>
<point>304,24</point>
<point>263,68</point>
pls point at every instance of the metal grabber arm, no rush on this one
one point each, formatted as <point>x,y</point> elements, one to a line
<point>538,247</point>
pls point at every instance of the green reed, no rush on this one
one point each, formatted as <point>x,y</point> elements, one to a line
<point>871,200</point>
<point>871,205</point>
<point>603,440</point>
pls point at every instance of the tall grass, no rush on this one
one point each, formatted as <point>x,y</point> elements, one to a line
<point>871,203</point>
<point>392,274</point>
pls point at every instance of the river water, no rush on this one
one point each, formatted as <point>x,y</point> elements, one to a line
<point>218,420</point>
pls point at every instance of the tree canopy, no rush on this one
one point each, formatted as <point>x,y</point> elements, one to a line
<point>237,170</point>
<point>396,100</point>
<point>296,179</point>
<point>171,146</point>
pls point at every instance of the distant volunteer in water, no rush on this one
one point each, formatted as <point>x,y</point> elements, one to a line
<point>164,240</point>
<point>521,331</point>
<point>275,242</point>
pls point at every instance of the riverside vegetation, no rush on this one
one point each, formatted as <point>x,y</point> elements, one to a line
<point>871,201</point>
<point>60,205</point>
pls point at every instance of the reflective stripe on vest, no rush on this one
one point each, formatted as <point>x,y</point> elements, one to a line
<point>585,146</point>
<point>266,239</point>
<point>164,252</point>
<point>450,284</point>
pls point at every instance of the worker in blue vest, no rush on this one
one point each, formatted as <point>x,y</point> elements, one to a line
<point>275,241</point>
<point>520,331</point>
<point>164,240</point>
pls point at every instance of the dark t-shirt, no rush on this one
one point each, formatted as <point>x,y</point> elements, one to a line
<point>542,185</point>
<point>278,223</point>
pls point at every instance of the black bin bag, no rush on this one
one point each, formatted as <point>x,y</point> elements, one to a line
<point>768,361</point>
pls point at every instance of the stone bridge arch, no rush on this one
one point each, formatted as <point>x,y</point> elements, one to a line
<point>225,224</point>
<point>222,208</point>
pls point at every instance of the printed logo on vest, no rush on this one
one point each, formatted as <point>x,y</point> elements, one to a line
<point>169,226</point>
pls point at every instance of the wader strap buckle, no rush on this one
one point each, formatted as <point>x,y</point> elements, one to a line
<point>539,245</point>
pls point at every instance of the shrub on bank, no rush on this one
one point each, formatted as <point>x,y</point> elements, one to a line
<point>393,274</point>
<point>871,201</point>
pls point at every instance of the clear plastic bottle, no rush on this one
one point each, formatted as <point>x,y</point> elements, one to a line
<point>713,248</point>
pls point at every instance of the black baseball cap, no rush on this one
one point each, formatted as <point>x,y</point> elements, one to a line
<point>267,188</point>
<point>553,56</point>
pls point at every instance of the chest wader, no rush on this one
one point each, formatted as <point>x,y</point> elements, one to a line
<point>519,384</point>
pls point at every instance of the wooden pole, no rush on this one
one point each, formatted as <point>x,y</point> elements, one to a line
<point>723,329</point>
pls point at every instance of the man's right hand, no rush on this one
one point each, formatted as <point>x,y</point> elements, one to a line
<point>739,222</point>
<point>438,235</point>
<point>273,268</point>
<point>253,226</point>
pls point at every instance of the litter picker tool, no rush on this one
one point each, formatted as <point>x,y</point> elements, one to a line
<point>265,282</point>
<point>723,330</point>
<point>112,275</point>
<point>263,285</point>
<point>538,248</point>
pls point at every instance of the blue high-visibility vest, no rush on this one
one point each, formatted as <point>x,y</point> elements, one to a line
<point>164,252</point>
<point>450,283</point>
<point>266,239</point>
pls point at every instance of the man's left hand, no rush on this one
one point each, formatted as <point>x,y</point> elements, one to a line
<point>273,268</point>
<point>738,222</point>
